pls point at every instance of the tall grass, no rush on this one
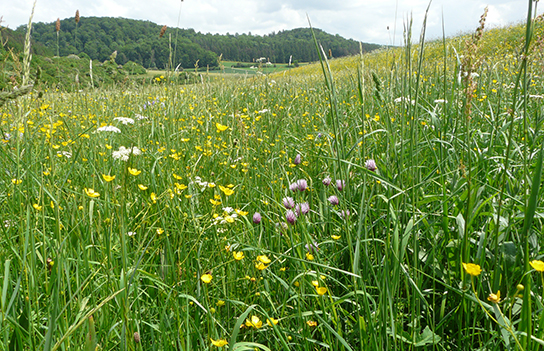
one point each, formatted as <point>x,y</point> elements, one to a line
<point>128,214</point>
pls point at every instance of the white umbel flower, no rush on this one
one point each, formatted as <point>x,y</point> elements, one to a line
<point>109,129</point>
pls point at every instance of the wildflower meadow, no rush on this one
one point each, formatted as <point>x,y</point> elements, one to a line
<point>385,201</point>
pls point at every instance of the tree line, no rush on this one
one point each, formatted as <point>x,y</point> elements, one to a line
<point>141,42</point>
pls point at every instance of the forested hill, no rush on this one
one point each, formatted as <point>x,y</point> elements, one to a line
<point>139,41</point>
<point>278,47</point>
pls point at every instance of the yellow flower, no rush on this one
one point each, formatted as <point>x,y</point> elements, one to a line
<point>254,322</point>
<point>16,181</point>
<point>219,343</point>
<point>108,178</point>
<point>215,202</point>
<point>153,197</point>
<point>91,193</point>
<point>206,278</point>
<point>220,303</point>
<point>134,171</point>
<point>495,298</point>
<point>312,323</point>
<point>472,269</point>
<point>226,190</point>
<point>271,321</point>
<point>160,231</point>
<point>37,207</point>
<point>321,290</point>
<point>176,176</point>
<point>220,127</point>
<point>335,237</point>
<point>180,186</point>
<point>315,283</point>
<point>537,265</point>
<point>264,259</point>
<point>238,255</point>
<point>309,256</point>
<point>241,213</point>
<point>260,266</point>
<point>142,187</point>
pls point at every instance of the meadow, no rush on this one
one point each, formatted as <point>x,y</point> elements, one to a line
<point>387,201</point>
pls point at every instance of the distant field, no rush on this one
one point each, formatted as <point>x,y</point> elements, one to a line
<point>230,67</point>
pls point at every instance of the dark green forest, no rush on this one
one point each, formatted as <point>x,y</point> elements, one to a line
<point>140,42</point>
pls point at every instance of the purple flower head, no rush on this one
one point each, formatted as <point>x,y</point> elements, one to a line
<point>288,202</point>
<point>311,248</point>
<point>293,186</point>
<point>303,208</point>
<point>302,184</point>
<point>297,159</point>
<point>290,216</point>
<point>371,165</point>
<point>327,181</point>
<point>257,218</point>
<point>333,199</point>
<point>344,214</point>
<point>340,184</point>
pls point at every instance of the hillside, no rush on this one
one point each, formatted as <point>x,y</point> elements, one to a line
<point>139,41</point>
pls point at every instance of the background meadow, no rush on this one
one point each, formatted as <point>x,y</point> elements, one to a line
<point>387,201</point>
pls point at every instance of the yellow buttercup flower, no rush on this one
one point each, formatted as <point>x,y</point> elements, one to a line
<point>309,256</point>
<point>142,187</point>
<point>37,207</point>
<point>134,171</point>
<point>260,266</point>
<point>16,181</point>
<point>321,290</point>
<point>219,343</point>
<point>472,269</point>
<point>180,186</point>
<point>108,178</point>
<point>238,255</point>
<point>264,259</point>
<point>91,193</point>
<point>495,298</point>
<point>537,265</point>
<point>226,191</point>
<point>254,322</point>
<point>271,321</point>
<point>206,278</point>
<point>335,237</point>
<point>220,127</point>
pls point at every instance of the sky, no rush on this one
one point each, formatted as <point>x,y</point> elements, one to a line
<point>370,21</point>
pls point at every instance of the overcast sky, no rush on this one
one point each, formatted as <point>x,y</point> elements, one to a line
<point>363,20</point>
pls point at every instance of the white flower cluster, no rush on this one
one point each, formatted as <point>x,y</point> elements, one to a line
<point>109,129</point>
<point>64,153</point>
<point>124,120</point>
<point>404,99</point>
<point>202,184</point>
<point>123,153</point>
<point>140,117</point>
<point>229,216</point>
